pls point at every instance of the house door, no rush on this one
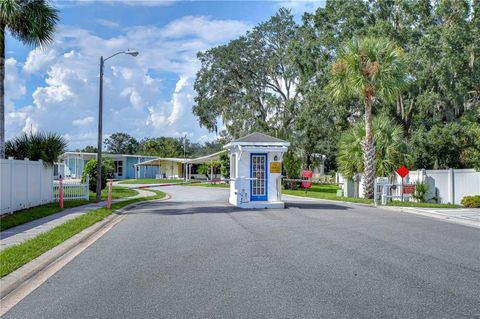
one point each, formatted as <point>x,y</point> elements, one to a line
<point>258,171</point>
<point>118,169</point>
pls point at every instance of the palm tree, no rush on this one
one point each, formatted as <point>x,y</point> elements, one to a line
<point>30,21</point>
<point>35,146</point>
<point>370,69</point>
<point>390,146</point>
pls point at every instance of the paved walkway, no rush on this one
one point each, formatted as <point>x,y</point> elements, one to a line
<point>21,233</point>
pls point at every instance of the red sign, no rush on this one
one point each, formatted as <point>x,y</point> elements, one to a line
<point>403,171</point>
<point>307,174</point>
<point>409,188</point>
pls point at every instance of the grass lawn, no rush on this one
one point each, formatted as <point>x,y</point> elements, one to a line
<point>428,205</point>
<point>16,256</point>
<point>151,181</point>
<point>325,191</point>
<point>117,192</point>
<point>27,215</point>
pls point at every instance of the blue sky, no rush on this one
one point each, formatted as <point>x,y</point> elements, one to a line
<point>56,89</point>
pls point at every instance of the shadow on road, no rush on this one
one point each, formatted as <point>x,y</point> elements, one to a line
<point>320,206</point>
<point>172,208</point>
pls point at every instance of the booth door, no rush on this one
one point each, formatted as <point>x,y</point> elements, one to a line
<point>258,173</point>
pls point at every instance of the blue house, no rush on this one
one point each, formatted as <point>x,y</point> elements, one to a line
<point>124,165</point>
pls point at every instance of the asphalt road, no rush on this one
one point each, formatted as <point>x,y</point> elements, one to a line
<point>197,258</point>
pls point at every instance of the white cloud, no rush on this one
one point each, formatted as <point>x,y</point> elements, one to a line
<point>108,23</point>
<point>301,6</point>
<point>84,121</point>
<point>137,97</point>
<point>204,28</point>
<point>38,59</point>
<point>145,3</point>
<point>15,85</point>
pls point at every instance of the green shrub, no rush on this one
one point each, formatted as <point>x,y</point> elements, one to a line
<point>225,165</point>
<point>421,190</point>
<point>471,201</point>
<point>91,170</point>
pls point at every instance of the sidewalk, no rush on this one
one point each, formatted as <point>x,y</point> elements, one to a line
<point>464,216</point>
<point>21,233</point>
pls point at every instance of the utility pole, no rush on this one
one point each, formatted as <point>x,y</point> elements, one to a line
<point>100,110</point>
<point>185,157</point>
<point>99,142</point>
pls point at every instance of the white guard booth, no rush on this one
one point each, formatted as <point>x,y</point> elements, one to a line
<point>255,171</point>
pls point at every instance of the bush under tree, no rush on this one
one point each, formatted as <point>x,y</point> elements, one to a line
<point>91,170</point>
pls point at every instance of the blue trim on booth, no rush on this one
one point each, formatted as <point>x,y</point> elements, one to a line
<point>264,197</point>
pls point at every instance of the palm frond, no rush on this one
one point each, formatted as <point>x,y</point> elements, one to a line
<point>390,148</point>
<point>37,146</point>
<point>31,21</point>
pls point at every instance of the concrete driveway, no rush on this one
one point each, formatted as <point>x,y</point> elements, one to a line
<point>205,259</point>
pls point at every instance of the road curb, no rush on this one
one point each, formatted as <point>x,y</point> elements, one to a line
<point>330,200</point>
<point>28,271</point>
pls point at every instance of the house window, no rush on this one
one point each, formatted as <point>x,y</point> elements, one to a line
<point>118,168</point>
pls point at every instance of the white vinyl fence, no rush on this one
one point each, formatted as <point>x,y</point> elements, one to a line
<point>445,186</point>
<point>24,184</point>
<point>72,190</point>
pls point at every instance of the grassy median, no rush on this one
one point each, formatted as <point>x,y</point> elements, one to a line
<point>117,193</point>
<point>207,184</point>
<point>426,205</point>
<point>325,191</point>
<point>151,181</point>
<point>16,256</point>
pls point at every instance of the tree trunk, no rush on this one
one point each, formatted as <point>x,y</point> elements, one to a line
<point>2,91</point>
<point>368,151</point>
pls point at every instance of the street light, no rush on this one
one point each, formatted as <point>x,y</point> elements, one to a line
<point>100,106</point>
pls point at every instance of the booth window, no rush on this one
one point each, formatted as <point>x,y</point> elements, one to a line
<point>233,166</point>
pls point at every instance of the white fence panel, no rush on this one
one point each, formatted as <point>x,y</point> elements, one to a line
<point>466,182</point>
<point>24,184</point>
<point>71,190</point>
<point>448,185</point>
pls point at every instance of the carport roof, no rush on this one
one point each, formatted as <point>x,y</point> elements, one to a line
<point>198,160</point>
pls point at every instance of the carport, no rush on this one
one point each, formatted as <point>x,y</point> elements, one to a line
<point>173,167</point>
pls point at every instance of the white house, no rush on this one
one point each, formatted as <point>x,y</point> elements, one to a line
<point>255,170</point>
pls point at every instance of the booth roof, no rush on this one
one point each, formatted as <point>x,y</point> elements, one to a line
<point>258,139</point>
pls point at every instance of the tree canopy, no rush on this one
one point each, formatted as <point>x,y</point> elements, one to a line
<point>243,84</point>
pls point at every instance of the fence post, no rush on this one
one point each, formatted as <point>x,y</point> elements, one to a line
<point>109,197</point>
<point>87,184</point>
<point>60,191</point>
<point>451,186</point>
<point>27,204</point>
<point>11,162</point>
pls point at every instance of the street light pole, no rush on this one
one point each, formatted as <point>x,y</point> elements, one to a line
<point>99,142</point>
<point>100,110</point>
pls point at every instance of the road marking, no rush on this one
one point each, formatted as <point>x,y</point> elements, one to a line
<point>9,301</point>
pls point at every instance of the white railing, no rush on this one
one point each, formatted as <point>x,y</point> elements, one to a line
<point>71,190</point>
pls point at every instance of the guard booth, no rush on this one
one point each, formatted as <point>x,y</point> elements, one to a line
<point>255,171</point>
